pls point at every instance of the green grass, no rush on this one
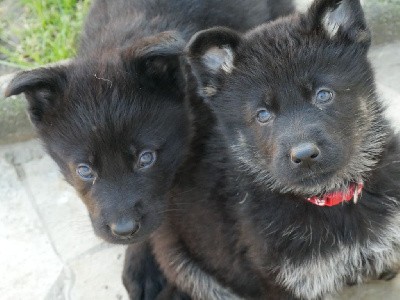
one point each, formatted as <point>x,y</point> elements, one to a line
<point>49,32</point>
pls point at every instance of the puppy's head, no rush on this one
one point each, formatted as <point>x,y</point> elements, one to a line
<point>118,129</point>
<point>295,97</point>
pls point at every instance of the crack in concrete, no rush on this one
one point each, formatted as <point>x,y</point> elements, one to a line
<point>96,249</point>
<point>70,277</point>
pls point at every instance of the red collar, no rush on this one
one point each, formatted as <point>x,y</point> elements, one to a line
<point>335,198</point>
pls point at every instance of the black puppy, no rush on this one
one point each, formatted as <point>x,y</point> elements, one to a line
<point>319,164</point>
<point>115,119</point>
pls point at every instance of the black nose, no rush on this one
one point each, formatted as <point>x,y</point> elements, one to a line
<point>305,153</point>
<point>124,228</point>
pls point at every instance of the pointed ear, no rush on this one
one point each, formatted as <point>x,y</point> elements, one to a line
<point>42,87</point>
<point>156,60</point>
<point>340,19</point>
<point>211,55</point>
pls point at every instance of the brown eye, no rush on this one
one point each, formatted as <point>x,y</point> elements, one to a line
<point>146,159</point>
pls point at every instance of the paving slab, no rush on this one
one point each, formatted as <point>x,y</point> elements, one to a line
<point>98,275</point>
<point>391,98</point>
<point>374,290</point>
<point>28,262</point>
<point>386,62</point>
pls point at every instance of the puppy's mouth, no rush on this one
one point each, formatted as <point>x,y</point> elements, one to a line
<point>351,192</point>
<point>313,177</point>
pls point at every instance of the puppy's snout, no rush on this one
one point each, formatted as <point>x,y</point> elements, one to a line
<point>304,154</point>
<point>124,228</point>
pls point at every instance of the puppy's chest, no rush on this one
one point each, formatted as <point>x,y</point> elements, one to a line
<point>312,259</point>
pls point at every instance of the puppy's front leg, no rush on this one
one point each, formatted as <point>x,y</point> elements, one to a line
<point>141,276</point>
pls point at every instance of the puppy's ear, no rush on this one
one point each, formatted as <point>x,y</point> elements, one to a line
<point>340,19</point>
<point>211,55</point>
<point>156,60</point>
<point>43,89</point>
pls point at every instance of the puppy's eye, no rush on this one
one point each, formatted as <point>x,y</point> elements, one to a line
<point>324,96</point>
<point>263,116</point>
<point>146,159</point>
<point>85,172</point>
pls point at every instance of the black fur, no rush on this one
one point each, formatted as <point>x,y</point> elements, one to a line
<point>255,232</point>
<point>122,95</point>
